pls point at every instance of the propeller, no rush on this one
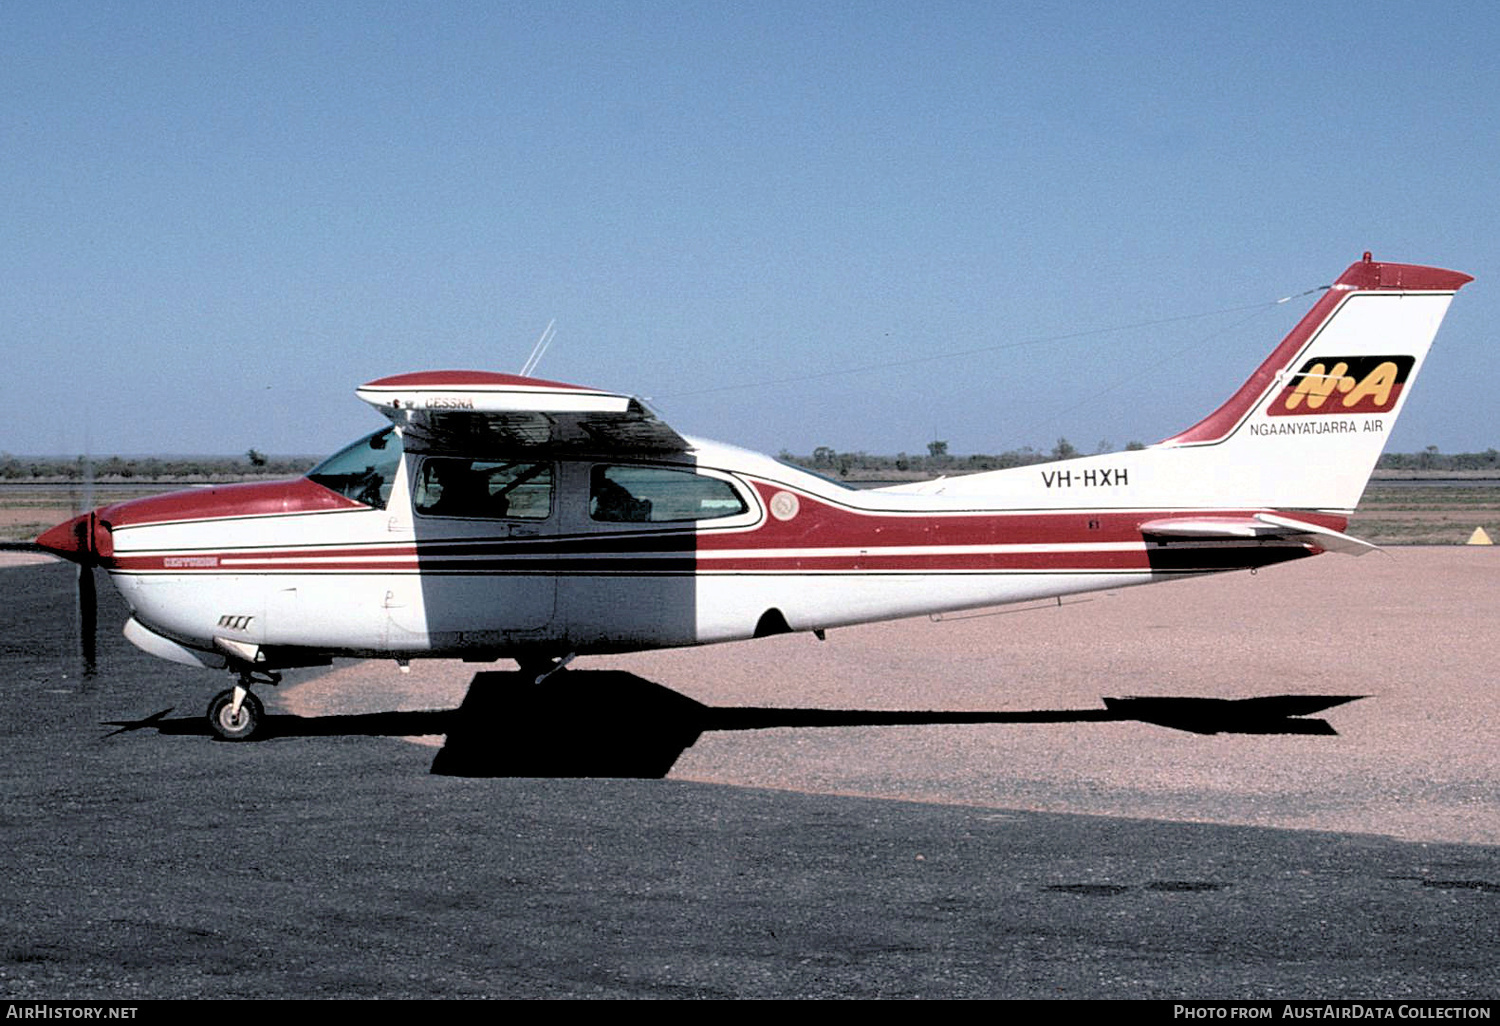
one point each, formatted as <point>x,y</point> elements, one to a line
<point>88,619</point>
<point>86,541</point>
<point>88,597</point>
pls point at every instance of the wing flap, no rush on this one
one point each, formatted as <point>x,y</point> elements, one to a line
<point>482,412</point>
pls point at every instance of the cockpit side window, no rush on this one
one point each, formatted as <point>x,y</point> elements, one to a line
<point>659,495</point>
<point>483,489</point>
<point>363,471</point>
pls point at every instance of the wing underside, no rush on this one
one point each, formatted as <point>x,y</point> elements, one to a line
<point>482,412</point>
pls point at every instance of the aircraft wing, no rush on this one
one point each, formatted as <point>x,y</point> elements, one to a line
<point>1267,526</point>
<point>486,412</point>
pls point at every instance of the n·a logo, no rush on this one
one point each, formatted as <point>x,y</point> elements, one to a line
<point>1343,384</point>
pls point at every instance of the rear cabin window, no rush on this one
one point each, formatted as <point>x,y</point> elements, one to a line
<point>363,471</point>
<point>659,495</point>
<point>483,489</point>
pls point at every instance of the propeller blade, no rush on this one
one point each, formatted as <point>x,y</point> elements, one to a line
<point>72,542</point>
<point>88,597</point>
<point>78,541</point>
<point>88,618</point>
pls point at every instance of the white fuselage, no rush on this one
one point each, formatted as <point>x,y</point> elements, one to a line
<point>801,554</point>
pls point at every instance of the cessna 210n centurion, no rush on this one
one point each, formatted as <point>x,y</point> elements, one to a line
<point>500,516</point>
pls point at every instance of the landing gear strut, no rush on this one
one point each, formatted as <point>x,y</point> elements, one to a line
<point>236,714</point>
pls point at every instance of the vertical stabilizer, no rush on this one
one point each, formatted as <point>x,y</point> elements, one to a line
<point>1307,428</point>
<point>1303,433</point>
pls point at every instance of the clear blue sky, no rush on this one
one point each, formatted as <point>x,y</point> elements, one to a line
<point>221,218</point>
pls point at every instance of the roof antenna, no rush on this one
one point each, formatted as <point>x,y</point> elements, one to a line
<point>538,349</point>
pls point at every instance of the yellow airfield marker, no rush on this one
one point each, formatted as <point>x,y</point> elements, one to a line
<point>1479,537</point>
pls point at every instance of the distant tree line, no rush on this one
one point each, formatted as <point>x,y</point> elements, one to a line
<point>826,460</point>
<point>255,465</point>
<point>1430,459</point>
<point>938,460</point>
<point>252,466</point>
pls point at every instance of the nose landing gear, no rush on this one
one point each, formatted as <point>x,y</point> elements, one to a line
<point>236,714</point>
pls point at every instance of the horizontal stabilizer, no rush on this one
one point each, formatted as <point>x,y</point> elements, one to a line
<point>1260,526</point>
<point>1323,537</point>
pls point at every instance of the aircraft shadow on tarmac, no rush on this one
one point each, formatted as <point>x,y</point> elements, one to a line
<point>615,724</point>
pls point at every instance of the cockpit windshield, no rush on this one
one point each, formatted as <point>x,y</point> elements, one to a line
<point>363,471</point>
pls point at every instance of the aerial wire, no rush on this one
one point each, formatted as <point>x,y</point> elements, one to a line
<point>538,350</point>
<point>1255,308</point>
<point>1195,342</point>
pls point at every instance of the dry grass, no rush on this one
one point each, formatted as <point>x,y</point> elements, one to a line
<point>1405,515</point>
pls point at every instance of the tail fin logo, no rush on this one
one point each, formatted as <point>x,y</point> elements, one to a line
<point>1343,384</point>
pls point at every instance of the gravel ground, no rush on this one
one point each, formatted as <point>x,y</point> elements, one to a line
<point>1414,630</point>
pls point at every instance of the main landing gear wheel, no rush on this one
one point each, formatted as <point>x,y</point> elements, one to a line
<point>231,727</point>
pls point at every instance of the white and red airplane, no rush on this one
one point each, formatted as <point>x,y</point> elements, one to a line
<point>507,517</point>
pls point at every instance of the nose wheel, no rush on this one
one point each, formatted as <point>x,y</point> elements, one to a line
<point>234,715</point>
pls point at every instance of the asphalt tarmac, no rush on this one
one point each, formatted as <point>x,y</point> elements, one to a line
<point>793,849</point>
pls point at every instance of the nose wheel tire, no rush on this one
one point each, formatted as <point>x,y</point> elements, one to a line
<point>229,726</point>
